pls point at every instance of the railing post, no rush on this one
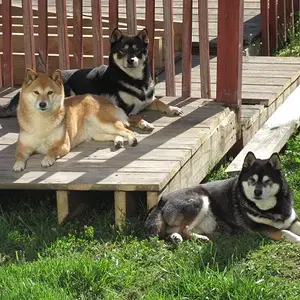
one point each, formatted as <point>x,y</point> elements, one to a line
<point>273,14</point>
<point>77,33</point>
<point>187,48</point>
<point>29,47</point>
<point>150,25</point>
<point>131,16</point>
<point>204,49</point>
<point>169,47</point>
<point>7,63</point>
<point>42,59</point>
<point>97,32</point>
<point>282,21</point>
<point>265,31</point>
<point>229,64</point>
<point>113,15</point>
<point>63,40</point>
<point>290,15</point>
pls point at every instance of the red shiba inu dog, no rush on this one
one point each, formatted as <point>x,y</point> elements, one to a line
<point>52,125</point>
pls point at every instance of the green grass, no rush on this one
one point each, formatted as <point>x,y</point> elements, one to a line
<point>292,47</point>
<point>88,258</point>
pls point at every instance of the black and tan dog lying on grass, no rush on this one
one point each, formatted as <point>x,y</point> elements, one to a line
<point>52,125</point>
<point>259,199</point>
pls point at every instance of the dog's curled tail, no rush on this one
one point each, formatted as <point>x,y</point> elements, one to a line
<point>10,109</point>
<point>155,224</point>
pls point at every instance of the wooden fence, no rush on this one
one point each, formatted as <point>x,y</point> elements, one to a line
<point>277,22</point>
<point>230,27</point>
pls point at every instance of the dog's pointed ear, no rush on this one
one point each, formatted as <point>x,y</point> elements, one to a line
<point>143,35</point>
<point>116,35</point>
<point>274,160</point>
<point>57,77</point>
<point>30,76</point>
<point>249,160</point>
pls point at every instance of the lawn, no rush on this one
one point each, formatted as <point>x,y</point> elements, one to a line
<point>88,258</point>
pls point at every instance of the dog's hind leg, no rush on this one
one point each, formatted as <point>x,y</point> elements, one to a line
<point>117,139</point>
<point>280,234</point>
<point>188,234</point>
<point>295,227</point>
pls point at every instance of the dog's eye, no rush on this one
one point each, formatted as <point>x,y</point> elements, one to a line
<point>269,181</point>
<point>36,92</point>
<point>50,93</point>
<point>137,51</point>
<point>252,180</point>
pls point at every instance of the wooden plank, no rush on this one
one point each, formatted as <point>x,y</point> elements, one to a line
<point>187,49</point>
<point>265,20</point>
<point>274,133</point>
<point>42,62</point>
<point>61,10</point>
<point>120,209</point>
<point>282,31</point>
<point>204,49</point>
<point>229,88</point>
<point>98,47</point>
<point>62,202</point>
<point>113,15</point>
<point>273,16</point>
<point>131,16</point>
<point>296,5</point>
<point>290,16</point>
<point>169,48</point>
<point>77,33</point>
<point>150,25</point>
<point>29,46</point>
<point>7,59</point>
<point>152,199</point>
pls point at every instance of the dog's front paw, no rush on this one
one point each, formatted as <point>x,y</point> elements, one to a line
<point>48,161</point>
<point>119,142</point>
<point>201,238</point>
<point>176,238</point>
<point>19,166</point>
<point>145,126</point>
<point>174,111</point>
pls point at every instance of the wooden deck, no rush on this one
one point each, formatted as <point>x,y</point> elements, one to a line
<point>179,152</point>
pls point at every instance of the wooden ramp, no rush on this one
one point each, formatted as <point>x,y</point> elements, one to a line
<point>180,152</point>
<point>274,133</point>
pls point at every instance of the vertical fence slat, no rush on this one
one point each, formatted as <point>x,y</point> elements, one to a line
<point>265,21</point>
<point>97,32</point>
<point>204,49</point>
<point>63,40</point>
<point>229,64</point>
<point>296,5</point>
<point>150,25</point>
<point>77,33</point>
<point>273,25</point>
<point>113,15</point>
<point>131,16</point>
<point>29,46</point>
<point>290,15</point>
<point>187,48</point>
<point>1,84</point>
<point>282,21</point>
<point>7,62</point>
<point>169,47</point>
<point>42,61</point>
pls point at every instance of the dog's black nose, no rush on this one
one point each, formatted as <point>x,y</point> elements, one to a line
<point>43,104</point>
<point>257,193</point>
<point>130,60</point>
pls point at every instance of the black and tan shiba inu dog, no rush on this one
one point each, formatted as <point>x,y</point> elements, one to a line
<point>259,199</point>
<point>126,81</point>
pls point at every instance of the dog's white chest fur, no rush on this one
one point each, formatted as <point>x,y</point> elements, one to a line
<point>130,99</point>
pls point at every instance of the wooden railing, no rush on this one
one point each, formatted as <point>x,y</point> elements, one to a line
<point>277,22</point>
<point>230,20</point>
